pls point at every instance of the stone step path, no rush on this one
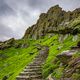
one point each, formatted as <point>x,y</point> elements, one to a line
<point>34,70</point>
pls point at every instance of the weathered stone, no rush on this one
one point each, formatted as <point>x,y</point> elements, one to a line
<point>65,56</point>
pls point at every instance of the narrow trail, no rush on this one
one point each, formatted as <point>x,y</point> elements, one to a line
<point>34,70</point>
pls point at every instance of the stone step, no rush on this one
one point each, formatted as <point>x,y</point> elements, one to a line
<point>32,70</point>
<point>28,77</point>
<point>37,79</point>
<point>22,78</point>
<point>35,76</point>
<point>38,58</point>
<point>30,73</point>
<point>35,62</point>
<point>38,63</point>
<point>32,67</point>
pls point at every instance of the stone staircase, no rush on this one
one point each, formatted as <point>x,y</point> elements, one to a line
<point>34,70</point>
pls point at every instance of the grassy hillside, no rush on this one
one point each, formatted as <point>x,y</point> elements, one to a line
<point>14,60</point>
<point>16,54</point>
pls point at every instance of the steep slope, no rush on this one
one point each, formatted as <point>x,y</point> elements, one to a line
<point>57,29</point>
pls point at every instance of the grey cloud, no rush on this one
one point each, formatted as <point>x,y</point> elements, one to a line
<point>36,3</point>
<point>5,32</point>
<point>42,5</point>
<point>5,9</point>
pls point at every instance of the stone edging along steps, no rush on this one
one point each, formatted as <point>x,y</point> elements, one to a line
<point>34,70</point>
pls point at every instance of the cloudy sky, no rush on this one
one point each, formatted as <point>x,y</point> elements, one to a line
<point>17,15</point>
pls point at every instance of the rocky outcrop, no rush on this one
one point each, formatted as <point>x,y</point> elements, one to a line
<point>70,63</point>
<point>56,21</point>
<point>65,56</point>
<point>7,44</point>
<point>13,43</point>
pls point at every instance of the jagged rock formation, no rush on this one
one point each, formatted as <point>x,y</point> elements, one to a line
<point>34,70</point>
<point>56,21</point>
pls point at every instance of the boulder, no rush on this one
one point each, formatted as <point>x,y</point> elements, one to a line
<point>65,56</point>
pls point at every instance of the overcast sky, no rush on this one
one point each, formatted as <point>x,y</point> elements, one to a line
<point>17,15</point>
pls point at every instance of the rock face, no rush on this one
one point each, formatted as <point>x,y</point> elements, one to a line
<point>55,20</point>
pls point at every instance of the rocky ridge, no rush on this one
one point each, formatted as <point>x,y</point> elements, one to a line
<point>55,21</point>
